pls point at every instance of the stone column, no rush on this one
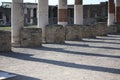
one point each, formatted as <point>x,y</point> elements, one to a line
<point>31,15</point>
<point>78,12</point>
<point>117,11</point>
<point>62,12</point>
<point>26,13</point>
<point>111,12</point>
<point>4,19</point>
<point>17,20</point>
<point>42,16</point>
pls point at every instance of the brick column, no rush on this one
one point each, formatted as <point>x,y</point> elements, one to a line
<point>31,16</point>
<point>117,11</point>
<point>111,12</point>
<point>78,12</point>
<point>17,20</point>
<point>42,16</point>
<point>62,12</point>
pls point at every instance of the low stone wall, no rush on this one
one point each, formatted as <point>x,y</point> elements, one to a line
<point>5,41</point>
<point>77,32</point>
<point>31,37</point>
<point>88,32</point>
<point>112,29</point>
<point>118,28</point>
<point>54,34</point>
<point>73,32</point>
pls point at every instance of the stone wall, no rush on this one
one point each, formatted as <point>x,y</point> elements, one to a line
<point>73,32</point>
<point>77,32</point>
<point>54,34</point>
<point>5,41</point>
<point>118,27</point>
<point>112,29</point>
<point>31,37</point>
<point>101,29</point>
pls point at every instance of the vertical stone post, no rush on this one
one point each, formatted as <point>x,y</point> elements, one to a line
<point>31,17</point>
<point>117,11</point>
<point>78,12</point>
<point>17,18</point>
<point>111,12</point>
<point>25,17</point>
<point>62,12</point>
<point>42,16</point>
<point>4,19</point>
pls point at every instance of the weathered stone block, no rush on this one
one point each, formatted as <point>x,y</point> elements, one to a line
<point>88,32</point>
<point>5,41</point>
<point>118,27</point>
<point>73,32</point>
<point>112,29</point>
<point>55,34</point>
<point>31,37</point>
<point>101,29</point>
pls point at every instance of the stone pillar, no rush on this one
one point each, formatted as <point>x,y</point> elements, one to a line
<point>26,13</point>
<point>78,12</point>
<point>4,19</point>
<point>17,20</point>
<point>111,12</point>
<point>31,15</point>
<point>117,11</point>
<point>62,12</point>
<point>42,16</point>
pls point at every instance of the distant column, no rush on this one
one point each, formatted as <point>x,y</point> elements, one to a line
<point>42,16</point>
<point>26,17</point>
<point>78,12</point>
<point>17,18</point>
<point>117,11</point>
<point>62,12</point>
<point>4,19</point>
<point>111,12</point>
<point>31,17</point>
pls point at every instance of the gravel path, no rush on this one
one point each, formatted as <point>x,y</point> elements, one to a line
<point>89,59</point>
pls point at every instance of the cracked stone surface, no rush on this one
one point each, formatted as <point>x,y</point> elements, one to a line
<point>88,59</point>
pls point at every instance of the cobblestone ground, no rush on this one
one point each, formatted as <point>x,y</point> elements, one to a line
<point>89,59</point>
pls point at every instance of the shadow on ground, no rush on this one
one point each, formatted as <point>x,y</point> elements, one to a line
<point>28,57</point>
<point>20,77</point>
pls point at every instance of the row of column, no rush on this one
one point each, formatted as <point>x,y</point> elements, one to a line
<point>31,15</point>
<point>18,15</point>
<point>113,12</point>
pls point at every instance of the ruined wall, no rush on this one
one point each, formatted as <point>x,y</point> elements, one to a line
<point>31,37</point>
<point>5,41</point>
<point>77,32</point>
<point>73,32</point>
<point>55,34</point>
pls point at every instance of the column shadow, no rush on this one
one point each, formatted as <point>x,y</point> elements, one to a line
<point>99,41</point>
<point>27,57</point>
<point>19,77</point>
<point>87,46</point>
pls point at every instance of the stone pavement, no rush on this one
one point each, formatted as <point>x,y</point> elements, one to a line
<point>89,59</point>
